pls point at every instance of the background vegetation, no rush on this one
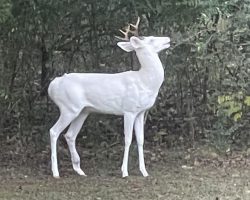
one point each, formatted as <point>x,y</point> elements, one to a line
<point>206,94</point>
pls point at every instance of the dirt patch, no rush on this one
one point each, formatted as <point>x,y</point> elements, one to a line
<point>171,177</point>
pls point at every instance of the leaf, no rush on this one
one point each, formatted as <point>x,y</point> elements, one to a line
<point>221,99</point>
<point>247,100</point>
<point>237,116</point>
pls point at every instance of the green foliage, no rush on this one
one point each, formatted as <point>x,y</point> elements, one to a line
<point>5,10</point>
<point>232,105</point>
<point>247,100</point>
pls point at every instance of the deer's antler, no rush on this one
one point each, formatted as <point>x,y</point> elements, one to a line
<point>135,31</point>
<point>127,31</point>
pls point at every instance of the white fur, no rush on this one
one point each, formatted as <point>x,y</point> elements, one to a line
<point>129,94</point>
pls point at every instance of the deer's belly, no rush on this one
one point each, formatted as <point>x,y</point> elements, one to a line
<point>119,106</point>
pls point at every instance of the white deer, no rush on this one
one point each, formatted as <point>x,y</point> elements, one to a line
<point>129,93</point>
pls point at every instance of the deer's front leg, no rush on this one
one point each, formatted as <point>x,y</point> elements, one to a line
<point>129,119</point>
<point>139,133</point>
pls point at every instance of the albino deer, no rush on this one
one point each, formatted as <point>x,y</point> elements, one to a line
<point>129,93</point>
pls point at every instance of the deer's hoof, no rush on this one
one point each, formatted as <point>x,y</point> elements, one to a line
<point>124,174</point>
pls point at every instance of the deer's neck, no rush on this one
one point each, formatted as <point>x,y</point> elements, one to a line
<point>151,70</point>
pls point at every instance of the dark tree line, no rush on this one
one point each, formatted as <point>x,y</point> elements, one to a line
<point>206,93</point>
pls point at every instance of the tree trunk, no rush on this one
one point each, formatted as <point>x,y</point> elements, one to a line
<point>44,73</point>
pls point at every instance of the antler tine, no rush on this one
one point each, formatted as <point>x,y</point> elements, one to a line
<point>135,32</point>
<point>125,33</point>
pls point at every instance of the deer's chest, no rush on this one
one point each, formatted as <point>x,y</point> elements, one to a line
<point>137,98</point>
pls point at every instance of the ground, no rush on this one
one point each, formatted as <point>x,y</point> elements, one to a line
<point>174,174</point>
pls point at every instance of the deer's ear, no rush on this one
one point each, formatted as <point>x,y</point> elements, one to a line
<point>135,42</point>
<point>126,46</point>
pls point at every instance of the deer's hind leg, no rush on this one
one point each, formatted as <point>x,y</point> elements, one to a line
<point>71,135</point>
<point>66,117</point>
